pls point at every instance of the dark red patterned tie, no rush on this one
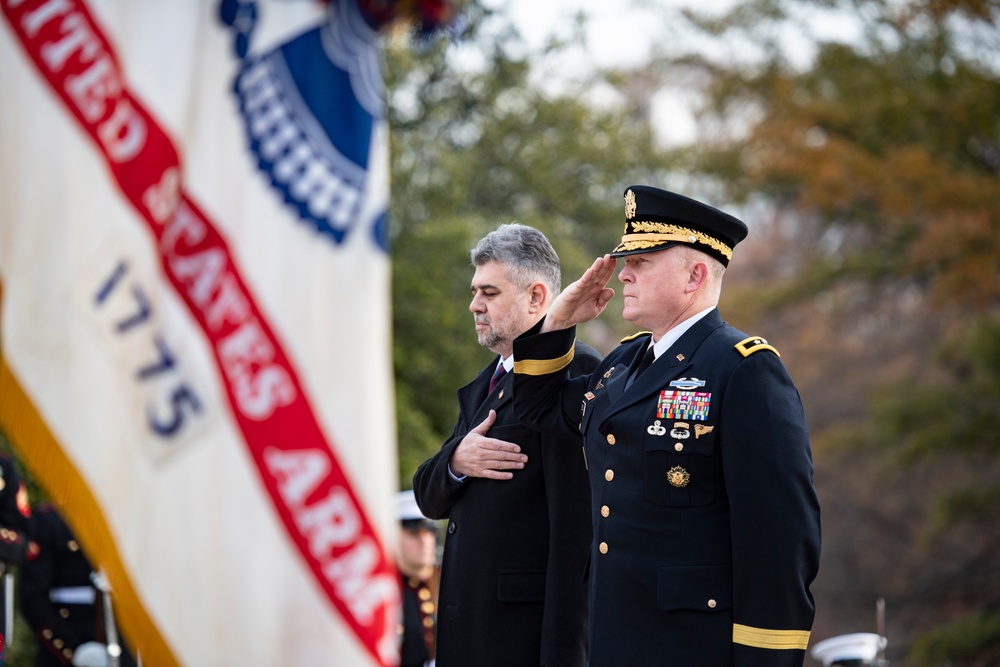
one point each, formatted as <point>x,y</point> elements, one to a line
<point>497,374</point>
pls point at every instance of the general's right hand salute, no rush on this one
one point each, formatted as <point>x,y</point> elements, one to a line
<point>689,558</point>
<point>583,300</point>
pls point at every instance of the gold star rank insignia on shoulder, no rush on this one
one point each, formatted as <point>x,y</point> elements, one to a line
<point>748,346</point>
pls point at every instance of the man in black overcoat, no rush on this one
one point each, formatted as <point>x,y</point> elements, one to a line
<point>705,519</point>
<point>512,589</point>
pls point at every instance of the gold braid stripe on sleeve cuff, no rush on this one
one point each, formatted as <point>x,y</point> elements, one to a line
<point>544,366</point>
<point>777,639</point>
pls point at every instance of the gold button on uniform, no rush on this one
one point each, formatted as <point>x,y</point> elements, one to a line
<point>611,438</point>
<point>609,474</point>
<point>58,643</point>
<point>603,547</point>
<point>712,604</point>
<point>605,511</point>
<point>679,446</point>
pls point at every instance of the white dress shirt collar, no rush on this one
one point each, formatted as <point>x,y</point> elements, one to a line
<point>672,336</point>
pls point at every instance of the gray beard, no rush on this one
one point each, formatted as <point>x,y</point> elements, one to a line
<point>491,340</point>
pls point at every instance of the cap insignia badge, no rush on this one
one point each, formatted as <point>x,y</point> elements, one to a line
<point>678,476</point>
<point>629,204</point>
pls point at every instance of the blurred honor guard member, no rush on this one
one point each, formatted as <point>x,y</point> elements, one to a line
<point>417,571</point>
<point>512,578</point>
<point>60,602</point>
<point>706,523</point>
<point>14,512</point>
<point>858,649</point>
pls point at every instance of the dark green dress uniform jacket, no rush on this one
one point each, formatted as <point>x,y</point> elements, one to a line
<point>512,589</point>
<point>705,520</point>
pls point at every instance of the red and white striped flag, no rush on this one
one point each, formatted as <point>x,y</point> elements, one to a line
<point>194,300</point>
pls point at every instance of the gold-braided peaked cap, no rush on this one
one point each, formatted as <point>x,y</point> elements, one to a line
<point>656,219</point>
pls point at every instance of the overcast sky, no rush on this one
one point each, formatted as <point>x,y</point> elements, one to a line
<point>625,32</point>
<point>620,32</point>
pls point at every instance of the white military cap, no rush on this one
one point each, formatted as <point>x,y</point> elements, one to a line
<point>408,512</point>
<point>857,648</point>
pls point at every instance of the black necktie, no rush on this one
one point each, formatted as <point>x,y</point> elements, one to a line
<point>497,374</point>
<point>647,361</point>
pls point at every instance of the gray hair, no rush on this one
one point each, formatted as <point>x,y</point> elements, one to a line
<point>525,251</point>
<point>716,269</point>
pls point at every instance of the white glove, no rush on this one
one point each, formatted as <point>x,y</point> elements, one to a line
<point>90,654</point>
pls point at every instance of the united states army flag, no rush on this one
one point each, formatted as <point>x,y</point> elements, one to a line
<point>194,306</point>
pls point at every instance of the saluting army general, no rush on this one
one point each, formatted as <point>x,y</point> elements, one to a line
<point>705,519</point>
